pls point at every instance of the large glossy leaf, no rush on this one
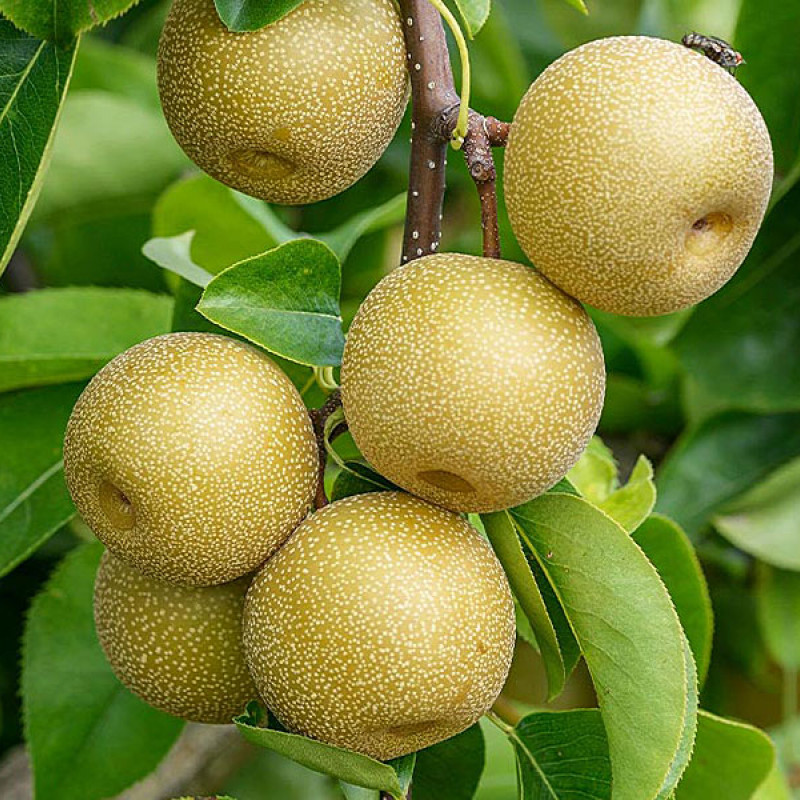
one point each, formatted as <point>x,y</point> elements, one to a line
<point>739,347</point>
<point>88,736</point>
<point>286,301</point>
<point>731,760</point>
<point>33,80</point>
<point>721,459</point>
<point>562,756</point>
<point>34,502</point>
<point>452,768</point>
<point>669,550</point>
<point>344,765</point>
<point>61,20</point>
<point>57,335</point>
<point>778,602</point>
<point>250,15</point>
<point>502,533</point>
<point>767,34</point>
<point>763,521</point>
<point>630,636</point>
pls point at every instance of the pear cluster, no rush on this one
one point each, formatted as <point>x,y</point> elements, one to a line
<point>194,460</point>
<point>637,175</point>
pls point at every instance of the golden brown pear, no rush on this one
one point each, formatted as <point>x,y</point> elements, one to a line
<point>383,625</point>
<point>293,113</point>
<point>179,648</point>
<point>472,382</point>
<point>637,174</point>
<point>192,457</point>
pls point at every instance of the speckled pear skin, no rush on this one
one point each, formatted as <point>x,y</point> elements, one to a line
<point>637,174</point>
<point>383,625</point>
<point>179,648</point>
<point>471,382</point>
<point>192,457</point>
<point>293,113</point>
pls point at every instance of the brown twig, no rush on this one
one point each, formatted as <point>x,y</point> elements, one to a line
<point>434,115</point>
<point>319,416</point>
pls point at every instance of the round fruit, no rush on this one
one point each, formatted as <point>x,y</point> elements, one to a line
<point>383,625</point>
<point>192,457</point>
<point>179,648</point>
<point>472,382</point>
<point>294,112</point>
<point>637,174</point>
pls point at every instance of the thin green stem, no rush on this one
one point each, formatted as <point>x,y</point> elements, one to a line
<point>325,378</point>
<point>466,74</point>
<point>504,726</point>
<point>331,423</point>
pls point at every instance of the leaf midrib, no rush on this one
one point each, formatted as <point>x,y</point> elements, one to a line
<point>23,77</point>
<point>29,490</point>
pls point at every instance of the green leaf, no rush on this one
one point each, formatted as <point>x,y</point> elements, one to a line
<point>774,787</point>
<point>56,335</point>
<point>344,765</point>
<point>725,456</point>
<point>629,633</point>
<point>578,5</point>
<point>62,20</point>
<point>286,301</point>
<point>474,13</point>
<point>358,478</point>
<point>595,474</point>
<point>250,15</point>
<point>358,792</point>
<point>225,231</point>
<point>739,347</point>
<point>502,534</point>
<point>342,239</point>
<point>88,736</point>
<point>778,603</point>
<point>33,81</point>
<point>632,406</point>
<point>174,253</point>
<point>34,502</point>
<point>669,550</point>
<point>763,521</point>
<point>595,477</point>
<point>116,69</point>
<point>731,760</point>
<point>767,33</point>
<point>94,245</point>
<point>108,147</point>
<point>452,768</point>
<point>562,755</point>
<point>631,504</point>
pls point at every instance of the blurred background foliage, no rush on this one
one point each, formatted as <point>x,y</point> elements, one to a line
<point>711,395</point>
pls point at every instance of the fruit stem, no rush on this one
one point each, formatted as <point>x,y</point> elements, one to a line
<point>320,419</point>
<point>437,114</point>
<point>325,379</point>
